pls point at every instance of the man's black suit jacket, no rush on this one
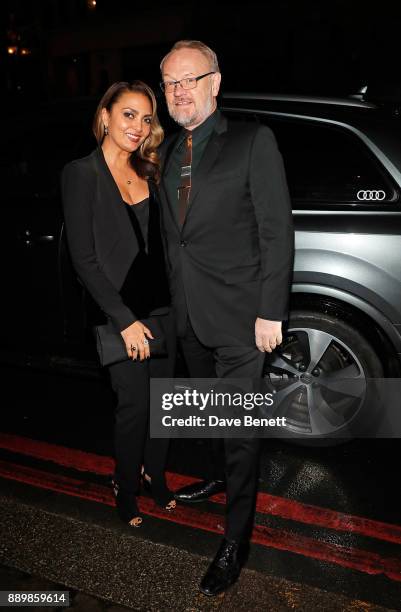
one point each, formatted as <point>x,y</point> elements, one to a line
<point>232,260</point>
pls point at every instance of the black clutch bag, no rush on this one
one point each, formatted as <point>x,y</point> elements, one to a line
<point>111,346</point>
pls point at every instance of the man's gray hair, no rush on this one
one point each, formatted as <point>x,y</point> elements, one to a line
<point>199,46</point>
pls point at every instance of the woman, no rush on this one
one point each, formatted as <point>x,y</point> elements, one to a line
<point>113,230</point>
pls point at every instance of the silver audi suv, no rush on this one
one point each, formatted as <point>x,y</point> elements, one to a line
<point>343,165</point>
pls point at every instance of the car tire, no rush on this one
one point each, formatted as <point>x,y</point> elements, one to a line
<point>322,379</point>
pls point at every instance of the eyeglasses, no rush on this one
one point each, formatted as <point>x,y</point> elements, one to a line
<point>189,83</point>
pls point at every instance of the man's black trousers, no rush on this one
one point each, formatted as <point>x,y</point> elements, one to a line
<point>235,459</point>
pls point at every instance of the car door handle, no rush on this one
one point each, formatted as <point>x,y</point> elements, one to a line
<point>30,239</point>
<point>44,238</point>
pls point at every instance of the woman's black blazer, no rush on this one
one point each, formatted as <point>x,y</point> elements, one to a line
<point>100,236</point>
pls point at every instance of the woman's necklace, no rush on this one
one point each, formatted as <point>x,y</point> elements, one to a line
<point>120,172</point>
<point>129,181</point>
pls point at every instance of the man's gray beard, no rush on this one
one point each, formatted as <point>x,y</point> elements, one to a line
<point>188,121</point>
<point>183,122</point>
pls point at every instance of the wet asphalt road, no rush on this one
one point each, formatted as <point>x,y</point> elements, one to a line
<point>326,521</point>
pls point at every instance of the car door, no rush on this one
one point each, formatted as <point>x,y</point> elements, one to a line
<point>33,309</point>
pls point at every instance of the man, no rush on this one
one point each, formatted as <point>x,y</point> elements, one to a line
<point>229,232</point>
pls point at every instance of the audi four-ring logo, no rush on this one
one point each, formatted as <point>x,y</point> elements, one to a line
<point>377,194</point>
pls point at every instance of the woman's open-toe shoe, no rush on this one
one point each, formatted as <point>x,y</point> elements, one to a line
<point>162,496</point>
<point>126,506</point>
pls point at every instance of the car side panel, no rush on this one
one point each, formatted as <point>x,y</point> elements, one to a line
<point>361,265</point>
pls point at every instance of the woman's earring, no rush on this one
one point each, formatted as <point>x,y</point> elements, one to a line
<point>106,130</point>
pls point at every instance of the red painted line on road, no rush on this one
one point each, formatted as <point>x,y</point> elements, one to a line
<point>352,558</point>
<point>361,560</point>
<point>68,457</point>
<point>266,504</point>
<point>101,494</point>
<point>309,514</point>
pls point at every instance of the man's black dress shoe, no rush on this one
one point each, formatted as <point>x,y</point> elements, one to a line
<point>200,491</point>
<point>225,567</point>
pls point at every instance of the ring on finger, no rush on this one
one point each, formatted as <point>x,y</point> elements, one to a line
<point>133,348</point>
<point>145,342</point>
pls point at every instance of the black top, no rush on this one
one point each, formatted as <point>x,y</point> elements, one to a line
<point>145,288</point>
<point>141,210</point>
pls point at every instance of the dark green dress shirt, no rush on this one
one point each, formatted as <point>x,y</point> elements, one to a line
<point>200,138</point>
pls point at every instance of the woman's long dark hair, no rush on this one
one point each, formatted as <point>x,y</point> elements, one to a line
<point>145,160</point>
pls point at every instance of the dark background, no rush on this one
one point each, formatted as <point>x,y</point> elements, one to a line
<point>73,48</point>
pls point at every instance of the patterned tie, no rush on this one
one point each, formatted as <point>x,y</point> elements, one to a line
<point>184,189</point>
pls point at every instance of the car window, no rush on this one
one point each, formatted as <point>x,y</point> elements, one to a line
<point>329,165</point>
<point>325,166</point>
